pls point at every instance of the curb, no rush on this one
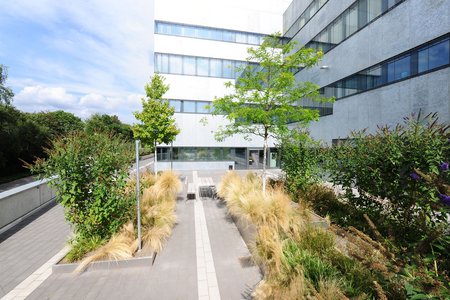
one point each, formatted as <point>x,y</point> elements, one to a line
<point>105,265</point>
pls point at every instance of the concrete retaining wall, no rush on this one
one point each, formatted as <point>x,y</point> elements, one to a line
<point>17,202</point>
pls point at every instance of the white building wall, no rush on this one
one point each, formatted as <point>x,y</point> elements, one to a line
<point>256,16</point>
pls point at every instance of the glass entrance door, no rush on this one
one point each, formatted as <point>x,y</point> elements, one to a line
<point>255,158</point>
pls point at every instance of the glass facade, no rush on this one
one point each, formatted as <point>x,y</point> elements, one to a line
<point>190,106</point>
<point>425,58</point>
<point>197,66</point>
<point>243,158</point>
<point>301,21</point>
<point>357,16</point>
<point>200,32</point>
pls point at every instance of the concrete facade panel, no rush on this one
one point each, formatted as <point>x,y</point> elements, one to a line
<point>404,27</point>
<point>199,47</point>
<point>387,106</point>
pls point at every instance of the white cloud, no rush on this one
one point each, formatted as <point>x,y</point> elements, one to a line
<point>97,52</point>
<point>40,98</point>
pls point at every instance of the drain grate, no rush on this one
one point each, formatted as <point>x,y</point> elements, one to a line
<point>207,192</point>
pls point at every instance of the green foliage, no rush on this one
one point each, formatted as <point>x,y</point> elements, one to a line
<point>315,256</point>
<point>108,124</point>
<point>399,178</point>
<point>20,139</point>
<point>264,99</point>
<point>265,96</point>
<point>383,168</point>
<point>23,135</point>
<point>6,94</point>
<point>156,117</point>
<point>81,245</point>
<point>300,158</point>
<point>324,202</point>
<point>91,172</point>
<point>57,123</point>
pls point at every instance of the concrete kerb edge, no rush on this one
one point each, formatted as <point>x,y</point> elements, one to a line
<point>105,265</point>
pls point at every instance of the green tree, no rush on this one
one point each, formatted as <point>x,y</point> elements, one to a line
<point>157,123</point>
<point>21,139</point>
<point>108,124</point>
<point>6,94</point>
<point>265,97</point>
<point>57,123</point>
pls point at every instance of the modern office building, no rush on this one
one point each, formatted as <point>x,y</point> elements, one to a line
<point>384,59</point>
<point>197,45</point>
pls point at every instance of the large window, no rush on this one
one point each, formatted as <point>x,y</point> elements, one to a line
<point>357,16</point>
<point>190,106</point>
<point>309,12</point>
<point>425,58</point>
<point>196,66</point>
<point>200,32</point>
<point>243,158</point>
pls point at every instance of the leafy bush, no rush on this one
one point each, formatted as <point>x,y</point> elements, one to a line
<point>91,170</point>
<point>300,158</point>
<point>384,168</point>
<point>397,186</point>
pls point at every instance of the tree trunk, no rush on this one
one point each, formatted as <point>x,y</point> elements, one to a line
<point>156,162</point>
<point>264,161</point>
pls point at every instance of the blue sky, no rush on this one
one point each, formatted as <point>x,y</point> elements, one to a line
<point>79,56</point>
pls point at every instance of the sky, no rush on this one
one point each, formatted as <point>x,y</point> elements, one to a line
<point>79,56</point>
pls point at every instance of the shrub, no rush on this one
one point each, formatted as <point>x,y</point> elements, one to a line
<point>157,220</point>
<point>397,187</point>
<point>91,170</point>
<point>300,158</point>
<point>384,168</point>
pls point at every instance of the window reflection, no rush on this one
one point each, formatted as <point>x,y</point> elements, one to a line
<point>309,12</point>
<point>175,64</point>
<point>189,106</point>
<point>202,66</point>
<point>176,104</point>
<point>354,18</point>
<point>189,65</point>
<point>202,107</point>
<point>208,33</point>
<point>197,66</point>
<point>427,58</point>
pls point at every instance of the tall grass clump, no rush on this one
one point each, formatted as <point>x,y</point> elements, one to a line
<point>299,260</point>
<point>158,217</point>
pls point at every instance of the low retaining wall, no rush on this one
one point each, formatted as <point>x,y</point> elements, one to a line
<point>20,201</point>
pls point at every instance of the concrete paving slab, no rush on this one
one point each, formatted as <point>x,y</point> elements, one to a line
<point>175,273</point>
<point>31,243</point>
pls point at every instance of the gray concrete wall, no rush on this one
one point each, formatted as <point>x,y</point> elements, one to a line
<point>404,27</point>
<point>324,16</point>
<point>17,202</point>
<point>408,25</point>
<point>295,9</point>
<point>387,105</point>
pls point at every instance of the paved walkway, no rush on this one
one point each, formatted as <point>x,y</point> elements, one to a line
<point>29,245</point>
<point>203,259</point>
